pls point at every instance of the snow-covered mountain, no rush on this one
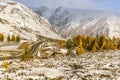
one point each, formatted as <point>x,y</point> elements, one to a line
<point>69,21</point>
<point>15,18</point>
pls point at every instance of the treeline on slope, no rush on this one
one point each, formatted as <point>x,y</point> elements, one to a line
<point>87,43</point>
<point>12,38</point>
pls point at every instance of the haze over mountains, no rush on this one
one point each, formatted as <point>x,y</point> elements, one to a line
<point>15,18</point>
<point>69,21</point>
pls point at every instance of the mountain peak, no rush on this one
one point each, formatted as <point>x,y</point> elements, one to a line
<point>69,22</point>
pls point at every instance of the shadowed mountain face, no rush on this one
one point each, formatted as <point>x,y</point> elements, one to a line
<point>69,22</point>
<point>15,18</point>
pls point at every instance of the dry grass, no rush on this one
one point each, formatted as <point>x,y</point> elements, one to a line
<point>26,57</point>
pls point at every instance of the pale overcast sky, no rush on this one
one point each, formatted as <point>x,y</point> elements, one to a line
<point>107,5</point>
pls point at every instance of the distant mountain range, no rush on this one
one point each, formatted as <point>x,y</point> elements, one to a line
<point>69,21</point>
<point>15,18</point>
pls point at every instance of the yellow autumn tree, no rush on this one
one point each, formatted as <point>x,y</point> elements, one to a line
<point>18,38</point>
<point>102,41</point>
<point>1,37</point>
<point>76,40</point>
<point>95,46</point>
<point>61,43</point>
<point>8,38</point>
<point>13,38</point>
<point>112,45</point>
<point>69,44</point>
<point>80,48</point>
<point>90,43</point>
<point>104,45</point>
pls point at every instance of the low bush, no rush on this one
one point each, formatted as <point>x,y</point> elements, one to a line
<point>5,64</point>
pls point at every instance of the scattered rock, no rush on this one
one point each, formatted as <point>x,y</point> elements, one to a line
<point>84,67</point>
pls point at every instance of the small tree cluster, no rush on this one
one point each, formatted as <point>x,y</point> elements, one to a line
<point>13,38</point>
<point>94,44</point>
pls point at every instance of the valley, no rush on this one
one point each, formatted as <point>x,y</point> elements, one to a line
<point>58,44</point>
<point>51,61</point>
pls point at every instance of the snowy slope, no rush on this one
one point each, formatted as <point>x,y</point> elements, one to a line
<point>15,18</point>
<point>44,11</point>
<point>69,21</point>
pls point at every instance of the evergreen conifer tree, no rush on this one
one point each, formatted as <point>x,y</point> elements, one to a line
<point>95,46</point>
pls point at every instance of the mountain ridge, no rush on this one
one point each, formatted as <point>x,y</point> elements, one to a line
<point>69,21</point>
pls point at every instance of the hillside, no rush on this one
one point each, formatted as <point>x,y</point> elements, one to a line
<point>15,18</point>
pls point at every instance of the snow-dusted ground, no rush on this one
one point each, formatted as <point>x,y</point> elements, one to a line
<point>88,66</point>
